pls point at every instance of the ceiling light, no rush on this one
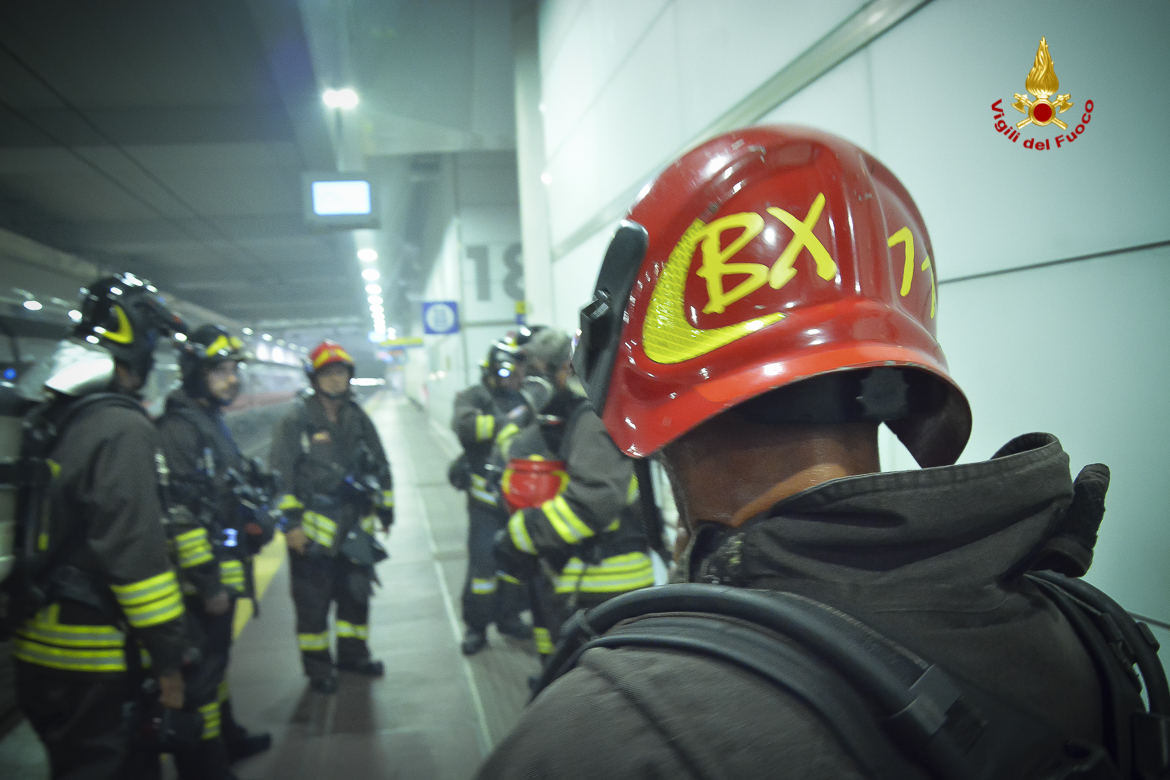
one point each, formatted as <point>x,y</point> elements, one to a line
<point>371,274</point>
<point>546,177</point>
<point>75,315</point>
<point>247,331</point>
<point>373,289</point>
<point>375,299</point>
<point>33,305</point>
<point>344,98</point>
<point>180,337</point>
<point>391,333</point>
<point>267,337</point>
<point>367,255</point>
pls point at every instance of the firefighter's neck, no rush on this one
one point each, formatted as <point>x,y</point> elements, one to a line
<point>731,469</point>
<point>332,407</point>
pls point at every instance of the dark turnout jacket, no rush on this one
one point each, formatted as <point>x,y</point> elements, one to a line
<point>481,413</point>
<point>313,457</point>
<point>190,432</point>
<point>105,519</point>
<point>934,558</point>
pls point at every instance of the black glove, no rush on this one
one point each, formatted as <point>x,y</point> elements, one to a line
<point>385,517</point>
<point>510,560</point>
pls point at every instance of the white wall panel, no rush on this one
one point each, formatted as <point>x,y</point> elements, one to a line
<point>1082,351</point>
<point>638,118</point>
<point>727,48</point>
<point>569,84</point>
<point>618,27</point>
<point>839,102</point>
<point>556,19</point>
<point>991,204</point>
<point>573,185</point>
<point>575,276</point>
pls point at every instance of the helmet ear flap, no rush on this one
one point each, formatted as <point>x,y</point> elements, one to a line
<point>601,319</point>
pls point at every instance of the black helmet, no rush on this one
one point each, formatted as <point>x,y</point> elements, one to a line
<point>525,334</point>
<point>206,347</point>
<point>125,315</point>
<point>502,360</point>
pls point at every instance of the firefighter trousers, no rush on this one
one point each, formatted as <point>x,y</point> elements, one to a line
<point>204,682</point>
<point>79,717</point>
<point>318,581</point>
<point>488,597</point>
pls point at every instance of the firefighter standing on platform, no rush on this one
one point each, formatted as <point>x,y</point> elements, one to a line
<point>94,586</point>
<point>481,413</point>
<point>763,401</point>
<point>211,550</point>
<point>336,487</point>
<point>588,537</point>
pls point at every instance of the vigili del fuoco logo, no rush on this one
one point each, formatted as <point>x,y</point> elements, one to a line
<point>1043,111</point>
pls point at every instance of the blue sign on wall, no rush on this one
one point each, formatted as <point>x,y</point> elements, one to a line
<point>440,318</point>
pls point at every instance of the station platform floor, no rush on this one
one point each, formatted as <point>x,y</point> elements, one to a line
<point>436,714</point>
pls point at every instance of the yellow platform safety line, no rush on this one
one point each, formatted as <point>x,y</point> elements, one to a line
<point>266,563</point>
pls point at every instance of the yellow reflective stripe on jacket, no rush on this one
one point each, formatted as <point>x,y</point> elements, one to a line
<point>192,548</point>
<point>67,658</point>
<point>485,427</point>
<point>564,521</point>
<point>151,601</point>
<point>347,630</point>
<point>232,575</point>
<point>544,644</point>
<point>483,586</point>
<point>289,501</point>
<point>387,499</point>
<point>319,528</point>
<point>519,534</point>
<point>211,720</point>
<point>223,692</point>
<point>632,491</point>
<point>618,574</point>
<point>309,642</point>
<point>479,485</point>
<point>508,578</point>
<point>504,437</point>
<point>369,523</point>
<point>44,641</point>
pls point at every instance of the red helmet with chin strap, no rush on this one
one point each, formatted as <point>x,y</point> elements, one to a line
<point>326,353</point>
<point>761,259</point>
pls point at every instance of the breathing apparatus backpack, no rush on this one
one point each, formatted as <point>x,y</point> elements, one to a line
<point>40,571</point>
<point>896,714</point>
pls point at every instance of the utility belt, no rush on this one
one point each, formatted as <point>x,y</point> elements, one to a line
<point>356,543</point>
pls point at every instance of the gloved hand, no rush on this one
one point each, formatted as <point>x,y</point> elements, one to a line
<point>385,517</point>
<point>218,604</point>
<point>509,560</point>
<point>296,540</point>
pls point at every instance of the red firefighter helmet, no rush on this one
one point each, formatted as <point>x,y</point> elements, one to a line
<point>762,258</point>
<point>529,482</point>
<point>328,352</point>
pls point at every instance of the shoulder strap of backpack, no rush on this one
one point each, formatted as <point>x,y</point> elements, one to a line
<point>1138,738</point>
<point>951,727</point>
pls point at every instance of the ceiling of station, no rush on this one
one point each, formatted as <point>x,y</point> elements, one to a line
<point>170,140</point>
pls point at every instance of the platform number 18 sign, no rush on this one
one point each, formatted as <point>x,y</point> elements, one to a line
<point>440,318</point>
